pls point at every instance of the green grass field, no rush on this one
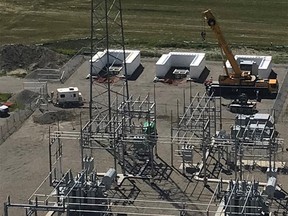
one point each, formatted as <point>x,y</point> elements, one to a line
<point>159,23</point>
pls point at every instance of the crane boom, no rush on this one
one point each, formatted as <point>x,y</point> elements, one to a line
<point>238,81</point>
<point>211,21</point>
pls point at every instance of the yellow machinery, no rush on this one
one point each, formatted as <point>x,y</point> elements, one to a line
<point>237,78</point>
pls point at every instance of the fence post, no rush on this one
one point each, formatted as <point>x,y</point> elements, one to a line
<point>7,125</point>
<point>1,133</point>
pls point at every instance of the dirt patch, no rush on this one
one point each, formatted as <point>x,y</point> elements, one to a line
<point>29,57</point>
<point>50,117</point>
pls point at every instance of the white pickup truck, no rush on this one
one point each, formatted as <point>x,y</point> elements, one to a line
<point>4,111</point>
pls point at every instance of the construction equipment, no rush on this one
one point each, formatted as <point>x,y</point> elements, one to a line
<point>242,105</point>
<point>237,81</point>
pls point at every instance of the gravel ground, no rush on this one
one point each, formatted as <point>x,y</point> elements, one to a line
<point>24,155</point>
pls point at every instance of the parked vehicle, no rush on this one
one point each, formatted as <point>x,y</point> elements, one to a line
<point>239,81</point>
<point>4,111</point>
<point>69,97</point>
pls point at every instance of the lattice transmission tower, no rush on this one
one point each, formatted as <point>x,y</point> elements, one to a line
<point>106,34</point>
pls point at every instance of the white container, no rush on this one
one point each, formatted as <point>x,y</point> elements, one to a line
<point>194,62</point>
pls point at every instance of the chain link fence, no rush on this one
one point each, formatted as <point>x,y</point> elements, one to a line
<point>73,64</point>
<point>12,123</point>
<point>43,74</point>
<point>37,87</point>
<point>62,74</point>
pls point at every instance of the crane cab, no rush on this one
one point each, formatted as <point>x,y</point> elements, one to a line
<point>273,86</point>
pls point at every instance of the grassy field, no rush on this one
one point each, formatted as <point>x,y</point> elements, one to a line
<point>4,97</point>
<point>163,23</point>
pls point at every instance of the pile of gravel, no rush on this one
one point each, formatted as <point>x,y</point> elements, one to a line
<point>24,98</point>
<point>50,117</point>
<point>29,57</point>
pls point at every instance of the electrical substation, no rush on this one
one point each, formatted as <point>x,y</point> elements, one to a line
<point>130,160</point>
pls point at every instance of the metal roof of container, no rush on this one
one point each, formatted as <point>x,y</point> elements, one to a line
<point>69,89</point>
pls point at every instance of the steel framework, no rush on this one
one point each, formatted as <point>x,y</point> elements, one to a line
<point>106,32</point>
<point>194,128</point>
